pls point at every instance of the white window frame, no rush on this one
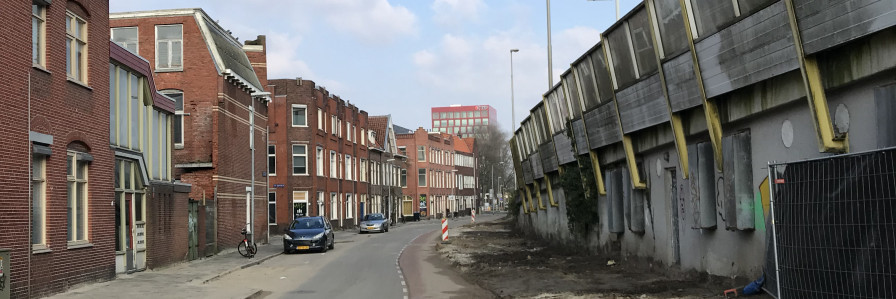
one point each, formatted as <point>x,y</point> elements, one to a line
<point>169,66</point>
<point>73,41</point>
<point>334,206</point>
<point>349,204</point>
<point>125,45</point>
<point>320,203</point>
<point>333,124</point>
<point>421,182</point>
<point>292,116</point>
<point>39,35</point>
<point>39,201</point>
<point>363,137</point>
<point>319,167</point>
<point>272,169</point>
<point>320,119</point>
<point>178,115</point>
<point>301,156</point>
<point>348,167</point>
<point>333,165</point>
<point>77,234</point>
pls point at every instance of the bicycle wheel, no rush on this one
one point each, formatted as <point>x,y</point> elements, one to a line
<point>244,249</point>
<point>253,249</point>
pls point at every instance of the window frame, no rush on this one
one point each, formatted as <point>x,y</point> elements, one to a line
<point>136,42</point>
<point>319,167</point>
<point>292,115</point>
<point>272,208</point>
<point>170,50</point>
<point>301,156</point>
<point>39,194</point>
<point>272,167</point>
<point>178,115</point>
<point>334,206</point>
<point>77,234</point>
<point>82,39</point>
<point>39,55</point>
<point>421,177</point>
<point>333,164</point>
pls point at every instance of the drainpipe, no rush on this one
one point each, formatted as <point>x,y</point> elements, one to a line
<point>30,191</point>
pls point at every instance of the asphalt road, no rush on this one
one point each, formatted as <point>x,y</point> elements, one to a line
<point>360,266</point>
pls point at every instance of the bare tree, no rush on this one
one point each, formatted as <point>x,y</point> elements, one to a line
<point>494,162</point>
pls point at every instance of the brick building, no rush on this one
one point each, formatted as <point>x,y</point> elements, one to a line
<point>150,206</point>
<point>431,167</point>
<point>316,155</point>
<point>55,141</point>
<point>465,163</point>
<point>386,171</point>
<point>463,121</point>
<point>219,98</point>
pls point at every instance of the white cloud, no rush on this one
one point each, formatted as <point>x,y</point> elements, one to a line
<point>570,44</point>
<point>373,21</point>
<point>424,58</point>
<point>456,12</point>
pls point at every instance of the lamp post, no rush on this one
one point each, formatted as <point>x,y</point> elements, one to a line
<point>550,67</point>
<point>512,105</point>
<point>387,186</point>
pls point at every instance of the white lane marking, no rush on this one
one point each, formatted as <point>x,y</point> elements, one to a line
<point>404,289</point>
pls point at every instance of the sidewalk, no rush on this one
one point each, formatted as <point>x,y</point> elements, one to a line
<point>188,279</point>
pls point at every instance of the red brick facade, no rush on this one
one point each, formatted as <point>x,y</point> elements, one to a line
<point>317,133</point>
<point>438,163</point>
<point>76,117</point>
<point>215,155</point>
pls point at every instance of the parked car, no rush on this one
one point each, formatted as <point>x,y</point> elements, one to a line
<point>375,222</point>
<point>308,233</point>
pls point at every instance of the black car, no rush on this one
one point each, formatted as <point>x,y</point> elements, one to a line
<point>308,233</point>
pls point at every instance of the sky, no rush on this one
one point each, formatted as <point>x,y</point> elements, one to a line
<point>402,57</point>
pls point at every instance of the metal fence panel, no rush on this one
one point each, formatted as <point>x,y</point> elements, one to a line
<point>834,228</point>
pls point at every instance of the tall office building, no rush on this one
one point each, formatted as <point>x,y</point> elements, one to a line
<point>463,121</point>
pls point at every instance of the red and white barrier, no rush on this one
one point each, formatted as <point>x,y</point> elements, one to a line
<point>444,230</point>
<point>472,216</point>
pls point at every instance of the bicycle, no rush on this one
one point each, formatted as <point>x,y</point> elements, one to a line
<point>246,248</point>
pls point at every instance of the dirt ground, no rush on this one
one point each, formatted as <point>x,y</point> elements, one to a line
<point>502,261</point>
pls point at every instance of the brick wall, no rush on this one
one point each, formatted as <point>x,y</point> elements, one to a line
<point>55,103</point>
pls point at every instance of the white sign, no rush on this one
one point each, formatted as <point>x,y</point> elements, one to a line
<point>140,237</point>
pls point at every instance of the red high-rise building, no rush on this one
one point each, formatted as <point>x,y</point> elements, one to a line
<point>463,121</point>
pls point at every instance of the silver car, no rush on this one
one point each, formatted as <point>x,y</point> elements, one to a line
<point>374,223</point>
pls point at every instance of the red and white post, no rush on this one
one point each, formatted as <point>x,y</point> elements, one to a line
<point>444,230</point>
<point>472,216</point>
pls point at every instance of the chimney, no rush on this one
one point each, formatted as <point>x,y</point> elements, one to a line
<point>256,50</point>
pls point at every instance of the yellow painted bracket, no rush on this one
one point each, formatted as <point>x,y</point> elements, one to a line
<point>598,174</point>
<point>680,144</point>
<point>523,198</point>
<point>635,175</point>
<point>713,124</point>
<point>538,195</point>
<point>818,103</point>
<point>550,192</point>
<point>531,202</point>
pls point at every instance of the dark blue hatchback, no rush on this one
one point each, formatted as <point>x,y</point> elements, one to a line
<point>308,233</point>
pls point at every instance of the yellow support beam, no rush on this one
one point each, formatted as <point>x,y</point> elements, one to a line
<point>547,180</point>
<point>674,118</point>
<point>538,195</point>
<point>711,111</point>
<point>524,204</point>
<point>818,103</point>
<point>635,174</point>
<point>598,175</point>
<point>531,202</point>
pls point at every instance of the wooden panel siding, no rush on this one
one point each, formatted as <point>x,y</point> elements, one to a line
<point>681,83</point>
<point>603,126</point>
<point>642,105</point>
<point>827,23</point>
<point>758,47</point>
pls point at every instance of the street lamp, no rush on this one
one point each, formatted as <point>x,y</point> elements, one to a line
<point>512,105</point>
<point>550,67</point>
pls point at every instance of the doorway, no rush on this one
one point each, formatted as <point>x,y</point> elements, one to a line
<point>130,234</point>
<point>193,227</point>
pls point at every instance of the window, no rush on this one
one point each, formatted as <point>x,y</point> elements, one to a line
<point>299,115</point>
<point>363,137</point>
<point>299,159</point>
<point>334,207</point>
<point>477,114</point>
<point>421,177</point>
<point>421,153</point>
<point>39,198</point>
<point>671,26</point>
<point>363,174</point>
<point>272,160</point>
<point>333,164</point>
<point>320,203</point>
<point>169,47</point>
<point>177,127</point>
<point>38,34</point>
<point>126,37</point>
<point>621,56</point>
<point>349,204</point>
<point>710,16</point>
<point>333,124</point>
<point>76,47</point>
<point>604,82</point>
<point>348,167</point>
<point>77,197</point>
<point>320,161</point>
<point>272,208</point>
<point>642,44</point>
<point>485,121</point>
<point>320,119</point>
<point>435,115</point>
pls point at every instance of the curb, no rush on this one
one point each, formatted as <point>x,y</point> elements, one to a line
<point>243,266</point>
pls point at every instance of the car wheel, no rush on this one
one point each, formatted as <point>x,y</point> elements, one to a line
<point>325,247</point>
<point>360,231</point>
<point>332,244</point>
<point>285,250</point>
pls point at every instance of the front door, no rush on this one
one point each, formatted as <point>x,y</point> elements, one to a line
<point>124,233</point>
<point>299,209</point>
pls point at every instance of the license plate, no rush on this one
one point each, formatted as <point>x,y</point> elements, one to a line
<point>371,227</point>
<point>302,247</point>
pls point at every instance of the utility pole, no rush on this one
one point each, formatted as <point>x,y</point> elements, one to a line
<point>251,189</point>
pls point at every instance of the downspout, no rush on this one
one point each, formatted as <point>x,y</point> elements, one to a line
<point>30,189</point>
<point>267,186</point>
